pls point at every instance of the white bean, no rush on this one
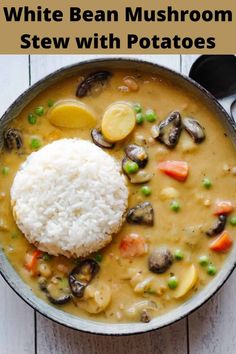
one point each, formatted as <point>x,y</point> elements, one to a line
<point>44,270</point>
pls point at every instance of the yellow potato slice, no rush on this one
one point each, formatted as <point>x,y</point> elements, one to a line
<point>97,297</point>
<point>72,114</point>
<point>187,282</point>
<point>118,121</point>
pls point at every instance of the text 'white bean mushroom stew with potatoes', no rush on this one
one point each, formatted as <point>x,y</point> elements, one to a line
<point>113,198</point>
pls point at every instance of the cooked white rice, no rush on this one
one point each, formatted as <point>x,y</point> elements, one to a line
<point>69,198</point>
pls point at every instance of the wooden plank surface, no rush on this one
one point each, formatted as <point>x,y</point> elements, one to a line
<point>212,329</point>
<point>55,339</point>
<point>16,318</point>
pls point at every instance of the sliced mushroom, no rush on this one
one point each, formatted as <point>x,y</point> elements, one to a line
<point>160,260</point>
<point>82,275</point>
<point>169,130</point>
<point>141,176</point>
<point>13,139</point>
<point>87,84</point>
<point>218,227</point>
<point>195,130</point>
<point>99,140</point>
<point>55,293</point>
<point>137,154</point>
<point>141,214</point>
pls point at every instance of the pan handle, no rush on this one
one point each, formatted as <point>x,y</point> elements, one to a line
<point>229,104</point>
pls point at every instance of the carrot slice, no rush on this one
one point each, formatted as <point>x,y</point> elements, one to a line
<point>175,169</point>
<point>223,207</point>
<point>32,260</point>
<point>222,243</point>
<point>133,245</point>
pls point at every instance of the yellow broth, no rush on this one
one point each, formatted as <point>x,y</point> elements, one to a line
<point>185,229</point>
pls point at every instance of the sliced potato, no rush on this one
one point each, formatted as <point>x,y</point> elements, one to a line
<point>97,297</point>
<point>118,121</point>
<point>72,114</point>
<point>187,282</point>
<point>188,145</point>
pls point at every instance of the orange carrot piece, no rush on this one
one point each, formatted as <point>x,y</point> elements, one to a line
<point>175,169</point>
<point>223,207</point>
<point>133,245</point>
<point>31,264</point>
<point>222,243</point>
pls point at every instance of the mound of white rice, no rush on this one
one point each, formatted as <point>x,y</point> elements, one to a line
<point>69,198</point>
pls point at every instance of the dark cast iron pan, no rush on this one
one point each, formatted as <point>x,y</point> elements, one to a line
<point>217,73</point>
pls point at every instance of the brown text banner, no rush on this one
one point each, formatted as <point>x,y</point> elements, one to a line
<point>115,27</point>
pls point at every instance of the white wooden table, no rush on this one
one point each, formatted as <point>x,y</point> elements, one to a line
<point>209,330</point>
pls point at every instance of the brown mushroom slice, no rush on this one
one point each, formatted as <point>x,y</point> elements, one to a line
<point>140,177</point>
<point>142,214</point>
<point>99,140</point>
<point>13,139</point>
<point>137,154</point>
<point>194,129</point>
<point>92,80</point>
<point>169,130</point>
<point>160,260</point>
<point>55,293</point>
<point>82,275</point>
<point>218,227</point>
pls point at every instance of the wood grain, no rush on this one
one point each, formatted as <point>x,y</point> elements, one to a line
<point>55,339</point>
<point>17,318</point>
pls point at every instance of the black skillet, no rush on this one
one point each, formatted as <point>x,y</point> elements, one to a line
<point>217,73</point>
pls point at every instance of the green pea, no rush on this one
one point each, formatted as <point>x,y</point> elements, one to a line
<point>150,115</point>
<point>5,170</point>
<point>211,269</point>
<point>146,190</point>
<point>39,111</point>
<point>203,261</point>
<point>46,257</point>
<point>172,282</point>
<point>35,143</point>
<point>32,119</point>
<point>139,118</point>
<point>175,206</point>
<point>206,182</point>
<point>233,220</point>
<point>178,254</point>
<point>137,108</point>
<point>98,257</point>
<point>131,167</point>
<point>50,103</point>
